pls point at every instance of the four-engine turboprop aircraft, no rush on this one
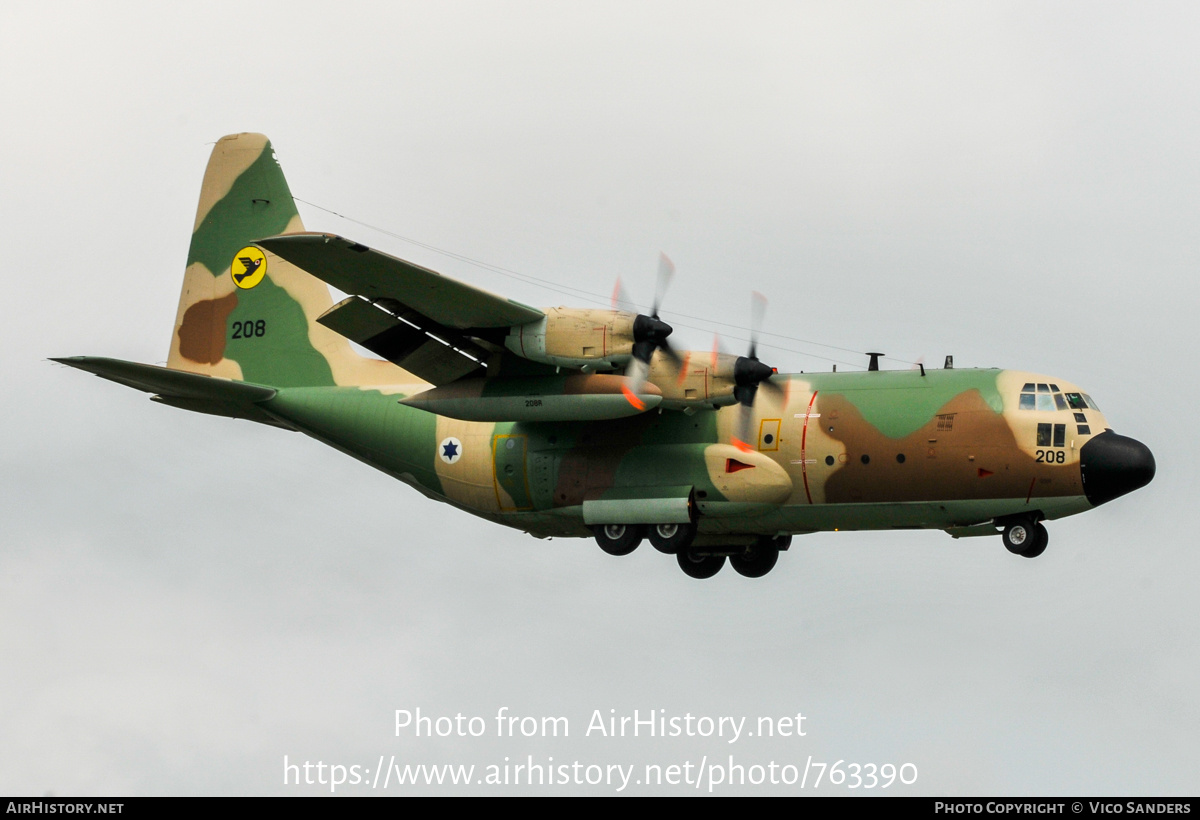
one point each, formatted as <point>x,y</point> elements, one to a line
<point>566,422</point>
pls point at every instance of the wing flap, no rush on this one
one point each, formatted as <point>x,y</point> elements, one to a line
<point>429,351</point>
<point>354,268</point>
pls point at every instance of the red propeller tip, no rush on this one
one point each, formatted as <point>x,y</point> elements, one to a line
<point>637,403</point>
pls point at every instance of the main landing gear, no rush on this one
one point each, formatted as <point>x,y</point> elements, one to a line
<point>1026,537</point>
<point>618,539</point>
<point>671,538</point>
<point>757,559</point>
<point>751,561</point>
<point>695,565</point>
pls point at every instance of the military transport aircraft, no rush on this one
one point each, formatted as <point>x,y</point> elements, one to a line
<point>586,422</point>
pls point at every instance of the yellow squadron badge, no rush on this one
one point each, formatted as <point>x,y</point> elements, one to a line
<point>249,267</point>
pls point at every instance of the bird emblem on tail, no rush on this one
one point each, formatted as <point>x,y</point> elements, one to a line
<point>248,268</point>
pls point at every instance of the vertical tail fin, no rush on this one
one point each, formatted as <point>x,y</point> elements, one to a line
<point>249,315</point>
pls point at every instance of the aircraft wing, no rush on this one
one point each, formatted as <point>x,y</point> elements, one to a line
<point>354,268</point>
<point>412,316</point>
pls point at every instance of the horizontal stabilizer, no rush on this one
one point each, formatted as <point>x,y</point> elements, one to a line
<point>354,268</point>
<point>191,391</point>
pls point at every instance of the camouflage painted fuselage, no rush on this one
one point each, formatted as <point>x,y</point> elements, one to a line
<point>256,337</point>
<point>873,450</point>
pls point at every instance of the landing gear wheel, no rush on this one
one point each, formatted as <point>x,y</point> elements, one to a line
<point>1018,537</point>
<point>758,559</point>
<point>1037,544</point>
<point>699,566</point>
<point>671,538</point>
<point>618,539</point>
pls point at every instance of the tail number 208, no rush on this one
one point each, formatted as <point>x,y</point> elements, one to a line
<point>249,329</point>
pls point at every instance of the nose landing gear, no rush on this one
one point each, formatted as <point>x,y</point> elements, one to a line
<point>1026,537</point>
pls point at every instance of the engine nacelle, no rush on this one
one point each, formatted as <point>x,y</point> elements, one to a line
<point>576,338</point>
<point>696,381</point>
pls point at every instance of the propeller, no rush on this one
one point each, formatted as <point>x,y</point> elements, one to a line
<point>749,373</point>
<point>649,332</point>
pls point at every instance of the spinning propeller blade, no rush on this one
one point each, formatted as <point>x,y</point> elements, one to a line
<point>749,373</point>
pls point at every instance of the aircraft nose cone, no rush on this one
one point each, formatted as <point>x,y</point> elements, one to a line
<point>1114,465</point>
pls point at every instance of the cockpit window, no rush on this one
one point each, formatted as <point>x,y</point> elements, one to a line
<point>1046,397</point>
<point>1092,403</point>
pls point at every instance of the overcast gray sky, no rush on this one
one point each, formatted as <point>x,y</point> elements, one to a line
<point>185,600</point>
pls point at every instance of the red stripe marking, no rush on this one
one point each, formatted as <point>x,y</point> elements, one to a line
<point>803,442</point>
<point>1032,481</point>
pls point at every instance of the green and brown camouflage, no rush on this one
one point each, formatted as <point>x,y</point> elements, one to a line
<point>267,333</point>
<point>542,443</point>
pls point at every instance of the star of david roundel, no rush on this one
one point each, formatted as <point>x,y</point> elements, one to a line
<point>450,450</point>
